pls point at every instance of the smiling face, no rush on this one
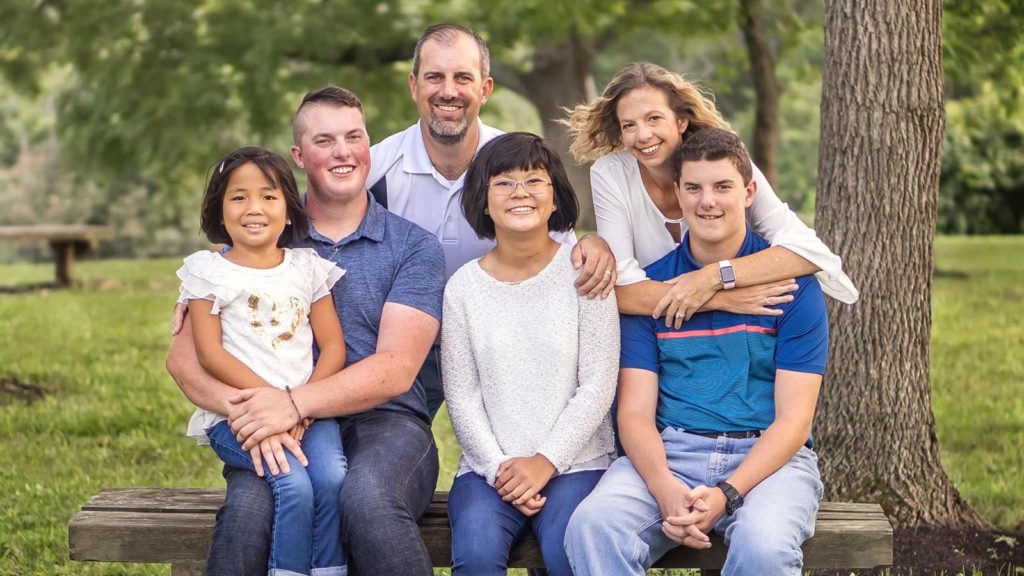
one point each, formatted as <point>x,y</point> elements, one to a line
<point>450,88</point>
<point>254,210</point>
<point>714,199</point>
<point>520,201</point>
<point>651,131</point>
<point>333,150</point>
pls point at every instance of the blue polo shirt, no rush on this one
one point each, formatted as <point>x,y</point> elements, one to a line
<point>717,373</point>
<point>387,259</point>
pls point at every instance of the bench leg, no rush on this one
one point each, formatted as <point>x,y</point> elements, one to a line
<point>64,253</point>
<point>186,570</point>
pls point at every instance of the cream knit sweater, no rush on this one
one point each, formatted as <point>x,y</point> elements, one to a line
<point>529,367</point>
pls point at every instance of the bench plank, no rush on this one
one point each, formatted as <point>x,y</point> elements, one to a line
<point>68,232</point>
<point>175,526</point>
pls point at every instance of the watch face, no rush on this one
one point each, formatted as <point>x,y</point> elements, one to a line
<point>727,274</point>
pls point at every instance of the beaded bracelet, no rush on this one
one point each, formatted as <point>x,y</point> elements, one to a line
<point>288,389</point>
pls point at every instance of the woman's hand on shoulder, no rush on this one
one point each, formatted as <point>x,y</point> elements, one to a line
<point>520,479</point>
<point>598,274</point>
<point>688,294</point>
<point>757,299</point>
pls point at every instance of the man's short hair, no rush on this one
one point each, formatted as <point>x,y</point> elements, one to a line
<point>445,34</point>
<point>329,95</point>
<point>516,151</point>
<point>714,144</point>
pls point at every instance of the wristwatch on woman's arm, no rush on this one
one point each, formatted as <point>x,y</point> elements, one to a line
<point>727,275</point>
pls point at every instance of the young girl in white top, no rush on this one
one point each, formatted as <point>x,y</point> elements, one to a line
<point>633,131</point>
<point>529,365</point>
<point>255,311</point>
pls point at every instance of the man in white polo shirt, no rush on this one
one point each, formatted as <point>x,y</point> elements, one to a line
<point>418,173</point>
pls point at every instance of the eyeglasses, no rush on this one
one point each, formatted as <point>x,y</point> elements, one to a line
<point>506,186</point>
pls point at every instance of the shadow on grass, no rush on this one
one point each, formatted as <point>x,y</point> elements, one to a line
<point>12,390</point>
<point>27,288</point>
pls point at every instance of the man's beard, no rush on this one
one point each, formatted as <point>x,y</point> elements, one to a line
<point>447,132</point>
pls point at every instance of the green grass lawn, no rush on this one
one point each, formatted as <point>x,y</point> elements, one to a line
<point>112,417</point>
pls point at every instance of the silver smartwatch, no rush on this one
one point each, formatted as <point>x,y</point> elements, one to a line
<point>727,275</point>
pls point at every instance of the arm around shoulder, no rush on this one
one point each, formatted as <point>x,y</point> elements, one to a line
<point>609,187</point>
<point>771,218</point>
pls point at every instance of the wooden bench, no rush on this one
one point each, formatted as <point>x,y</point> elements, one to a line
<point>174,526</point>
<point>67,242</point>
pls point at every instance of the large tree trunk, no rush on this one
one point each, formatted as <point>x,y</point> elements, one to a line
<point>878,179</point>
<point>561,76</point>
<point>766,87</point>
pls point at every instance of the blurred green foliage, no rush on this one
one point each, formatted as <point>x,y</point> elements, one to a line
<point>113,111</point>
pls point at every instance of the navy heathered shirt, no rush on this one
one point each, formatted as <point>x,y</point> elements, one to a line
<point>387,259</point>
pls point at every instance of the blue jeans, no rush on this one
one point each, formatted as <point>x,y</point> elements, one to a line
<point>392,474</point>
<point>306,528</point>
<point>617,530</point>
<point>485,528</point>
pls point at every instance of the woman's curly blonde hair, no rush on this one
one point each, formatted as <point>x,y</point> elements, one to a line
<point>595,127</point>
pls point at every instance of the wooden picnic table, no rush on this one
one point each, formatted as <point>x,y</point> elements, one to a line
<point>67,241</point>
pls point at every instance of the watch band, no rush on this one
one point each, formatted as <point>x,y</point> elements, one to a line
<point>733,499</point>
<point>727,275</point>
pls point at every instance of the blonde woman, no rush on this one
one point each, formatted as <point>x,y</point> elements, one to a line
<point>632,132</point>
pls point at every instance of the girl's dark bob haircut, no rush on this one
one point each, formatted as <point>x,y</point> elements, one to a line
<point>516,151</point>
<point>278,173</point>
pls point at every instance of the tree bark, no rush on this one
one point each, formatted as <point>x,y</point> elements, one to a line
<point>766,88</point>
<point>561,76</point>
<point>878,180</point>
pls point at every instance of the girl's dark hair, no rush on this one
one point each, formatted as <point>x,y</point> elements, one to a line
<point>516,151</point>
<point>276,170</point>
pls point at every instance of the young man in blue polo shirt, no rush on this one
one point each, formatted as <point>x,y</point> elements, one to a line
<point>715,417</point>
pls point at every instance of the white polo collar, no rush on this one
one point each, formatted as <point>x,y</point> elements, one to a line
<point>414,152</point>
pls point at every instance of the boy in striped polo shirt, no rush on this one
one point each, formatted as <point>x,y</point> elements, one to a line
<point>714,417</point>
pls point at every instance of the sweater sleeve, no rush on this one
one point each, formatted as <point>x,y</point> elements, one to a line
<point>597,372</point>
<point>462,389</point>
<point>771,218</point>
<point>613,221</point>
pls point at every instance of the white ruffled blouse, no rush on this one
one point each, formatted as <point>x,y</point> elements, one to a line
<point>264,315</point>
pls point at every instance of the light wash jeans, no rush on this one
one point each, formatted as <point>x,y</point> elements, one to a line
<point>617,529</point>
<point>306,533</point>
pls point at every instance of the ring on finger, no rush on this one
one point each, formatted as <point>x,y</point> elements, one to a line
<point>607,272</point>
<point>680,315</point>
<point>767,301</point>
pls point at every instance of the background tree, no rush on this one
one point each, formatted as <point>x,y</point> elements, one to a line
<point>983,168</point>
<point>878,179</point>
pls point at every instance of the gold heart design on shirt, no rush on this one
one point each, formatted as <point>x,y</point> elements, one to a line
<point>266,315</point>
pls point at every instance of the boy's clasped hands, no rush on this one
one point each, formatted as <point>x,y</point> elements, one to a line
<point>689,513</point>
